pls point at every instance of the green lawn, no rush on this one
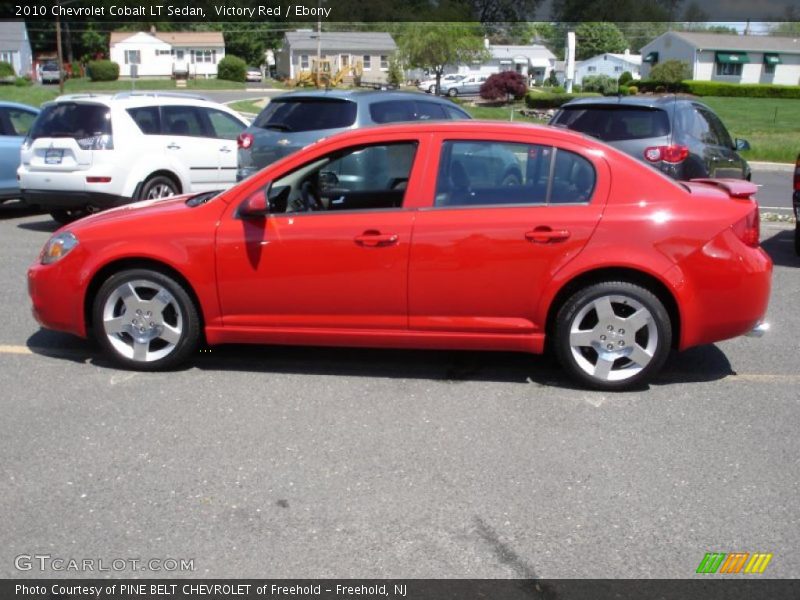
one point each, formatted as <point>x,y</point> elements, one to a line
<point>499,113</point>
<point>771,125</point>
<point>246,106</point>
<point>34,95</point>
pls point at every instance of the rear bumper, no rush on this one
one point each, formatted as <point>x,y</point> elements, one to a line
<point>52,199</point>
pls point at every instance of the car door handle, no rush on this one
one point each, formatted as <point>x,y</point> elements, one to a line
<point>373,238</point>
<point>546,235</point>
<point>225,149</point>
<point>173,146</point>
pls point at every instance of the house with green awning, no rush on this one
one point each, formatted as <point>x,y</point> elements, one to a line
<point>728,57</point>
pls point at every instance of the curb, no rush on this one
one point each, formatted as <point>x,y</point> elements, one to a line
<point>771,166</point>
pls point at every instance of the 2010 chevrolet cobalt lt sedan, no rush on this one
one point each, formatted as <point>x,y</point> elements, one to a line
<point>411,236</point>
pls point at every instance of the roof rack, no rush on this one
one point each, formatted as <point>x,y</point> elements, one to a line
<point>80,96</point>
<point>120,95</point>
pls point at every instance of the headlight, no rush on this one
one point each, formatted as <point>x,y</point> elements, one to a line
<point>57,247</point>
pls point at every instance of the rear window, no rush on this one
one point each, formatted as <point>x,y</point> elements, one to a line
<point>612,123</point>
<point>73,120</point>
<point>307,114</point>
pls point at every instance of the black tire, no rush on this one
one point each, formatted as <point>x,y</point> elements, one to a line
<point>64,216</point>
<point>623,299</point>
<point>452,92</point>
<point>797,238</point>
<point>180,313</point>
<point>154,185</point>
<point>511,178</point>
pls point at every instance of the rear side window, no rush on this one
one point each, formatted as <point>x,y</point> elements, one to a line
<point>224,125</point>
<point>147,119</point>
<point>614,123</point>
<point>486,173</point>
<point>307,114</point>
<point>455,113</point>
<point>19,121</point>
<point>73,120</point>
<point>392,111</point>
<point>182,120</point>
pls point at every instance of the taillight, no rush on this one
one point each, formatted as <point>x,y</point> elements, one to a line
<point>98,180</point>
<point>96,142</point>
<point>797,174</point>
<point>244,141</point>
<point>671,154</point>
<point>749,229</point>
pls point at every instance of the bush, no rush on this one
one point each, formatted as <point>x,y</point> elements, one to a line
<point>6,70</point>
<point>103,70</point>
<point>556,89</point>
<point>552,79</point>
<point>23,81</point>
<point>625,78</point>
<point>540,100</point>
<point>670,71</point>
<point>232,68</point>
<point>576,88</point>
<point>624,90</point>
<point>633,90</point>
<point>659,87</point>
<point>502,85</point>
<point>749,90</point>
<point>75,69</point>
<point>600,83</point>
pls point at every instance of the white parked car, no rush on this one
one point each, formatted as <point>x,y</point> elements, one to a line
<point>87,152</point>
<point>429,85</point>
<point>253,74</point>
<point>467,86</point>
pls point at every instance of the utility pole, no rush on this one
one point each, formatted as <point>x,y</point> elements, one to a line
<point>58,44</point>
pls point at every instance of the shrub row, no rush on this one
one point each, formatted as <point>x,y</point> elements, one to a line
<point>719,88</point>
<point>540,100</point>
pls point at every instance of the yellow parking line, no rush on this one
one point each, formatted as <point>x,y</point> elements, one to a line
<point>5,349</point>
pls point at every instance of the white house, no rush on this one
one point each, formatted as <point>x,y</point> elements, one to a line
<point>609,64</point>
<point>167,54</point>
<point>15,47</point>
<point>534,62</point>
<point>727,57</point>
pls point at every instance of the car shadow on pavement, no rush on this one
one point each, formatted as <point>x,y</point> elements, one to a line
<point>702,364</point>
<point>15,209</point>
<point>780,247</point>
<point>47,225</point>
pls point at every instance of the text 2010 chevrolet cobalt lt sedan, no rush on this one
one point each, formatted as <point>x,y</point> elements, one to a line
<point>406,236</point>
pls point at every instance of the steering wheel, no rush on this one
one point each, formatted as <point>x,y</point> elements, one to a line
<point>310,197</point>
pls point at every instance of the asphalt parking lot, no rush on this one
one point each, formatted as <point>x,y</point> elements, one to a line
<point>309,462</point>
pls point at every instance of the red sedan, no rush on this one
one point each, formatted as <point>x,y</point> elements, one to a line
<point>460,235</point>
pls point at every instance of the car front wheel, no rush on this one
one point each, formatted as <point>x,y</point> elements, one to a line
<point>145,320</point>
<point>452,92</point>
<point>613,335</point>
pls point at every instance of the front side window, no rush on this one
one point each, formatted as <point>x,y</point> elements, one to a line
<point>489,173</point>
<point>21,121</point>
<point>224,126</point>
<point>360,178</point>
<point>147,119</point>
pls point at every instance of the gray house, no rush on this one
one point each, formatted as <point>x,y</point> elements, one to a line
<point>372,51</point>
<point>15,48</point>
<point>728,57</point>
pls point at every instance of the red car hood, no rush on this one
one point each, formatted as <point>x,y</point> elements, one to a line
<point>160,208</point>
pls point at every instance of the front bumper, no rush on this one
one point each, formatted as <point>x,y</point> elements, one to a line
<point>57,294</point>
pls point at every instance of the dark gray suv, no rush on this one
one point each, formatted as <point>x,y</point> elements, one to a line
<point>294,120</point>
<point>681,137</point>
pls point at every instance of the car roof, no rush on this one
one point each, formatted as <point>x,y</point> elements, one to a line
<point>366,96</point>
<point>643,101</point>
<point>6,104</point>
<point>473,126</point>
<point>135,99</point>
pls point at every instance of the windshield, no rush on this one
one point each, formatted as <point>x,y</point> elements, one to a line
<point>69,119</point>
<point>307,114</point>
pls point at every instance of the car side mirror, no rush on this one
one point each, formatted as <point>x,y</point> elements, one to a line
<point>741,144</point>
<point>255,206</point>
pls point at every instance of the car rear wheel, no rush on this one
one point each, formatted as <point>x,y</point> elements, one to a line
<point>64,216</point>
<point>612,335</point>
<point>159,186</point>
<point>145,320</point>
<point>452,92</point>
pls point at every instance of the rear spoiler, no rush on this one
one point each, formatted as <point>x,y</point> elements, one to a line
<point>736,188</point>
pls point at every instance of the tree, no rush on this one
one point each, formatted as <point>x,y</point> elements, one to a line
<point>433,46</point>
<point>597,38</point>
<point>395,74</point>
<point>670,71</point>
